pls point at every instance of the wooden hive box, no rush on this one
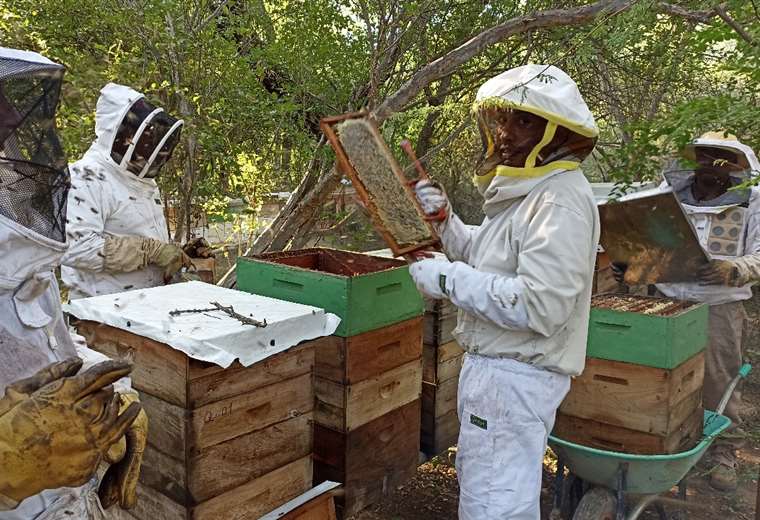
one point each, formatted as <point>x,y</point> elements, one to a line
<point>440,380</point>
<point>223,443</point>
<point>440,322</point>
<point>372,460</point>
<point>656,332</point>
<point>366,292</point>
<point>634,408</point>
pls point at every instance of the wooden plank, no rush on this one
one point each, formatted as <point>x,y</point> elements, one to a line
<point>632,396</point>
<point>371,460</point>
<point>168,427</point>
<point>429,363</point>
<point>158,369</point>
<point>449,351</point>
<point>438,329</point>
<point>225,466</point>
<point>378,351</point>
<point>446,432</point>
<point>330,359</point>
<point>303,506</point>
<point>377,396</point>
<point>229,418</point>
<point>449,369</point>
<point>166,475</point>
<point>591,433</point>
<point>255,498</point>
<point>228,383</point>
<point>152,505</point>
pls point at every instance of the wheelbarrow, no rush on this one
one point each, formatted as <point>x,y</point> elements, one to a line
<point>609,485</point>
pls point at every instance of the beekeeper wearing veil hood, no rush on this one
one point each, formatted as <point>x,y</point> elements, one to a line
<point>117,229</point>
<point>522,283</point>
<point>57,422</point>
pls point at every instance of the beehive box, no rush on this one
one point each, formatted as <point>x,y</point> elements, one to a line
<point>634,408</point>
<point>366,292</point>
<point>231,442</point>
<point>440,376</point>
<point>372,460</point>
<point>656,332</point>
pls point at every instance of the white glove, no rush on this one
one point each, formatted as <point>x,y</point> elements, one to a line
<point>431,197</point>
<point>430,277</point>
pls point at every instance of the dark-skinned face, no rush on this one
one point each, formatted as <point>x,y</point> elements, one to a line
<point>713,172</point>
<point>515,134</point>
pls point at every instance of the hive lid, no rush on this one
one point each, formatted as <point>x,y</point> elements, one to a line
<point>214,335</point>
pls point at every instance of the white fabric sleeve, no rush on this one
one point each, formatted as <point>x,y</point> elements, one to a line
<point>491,297</point>
<point>748,265</point>
<point>86,215</point>
<point>555,264</point>
<point>456,237</point>
<point>91,357</point>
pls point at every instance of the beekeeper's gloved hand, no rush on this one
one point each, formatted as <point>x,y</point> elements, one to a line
<point>119,484</point>
<point>432,199</point>
<point>130,253</point>
<point>56,426</point>
<point>719,272</point>
<point>429,276</point>
<point>618,271</point>
<point>198,248</point>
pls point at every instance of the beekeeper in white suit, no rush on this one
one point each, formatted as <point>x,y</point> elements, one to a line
<point>522,283</point>
<point>727,223</point>
<point>117,231</point>
<point>57,423</point>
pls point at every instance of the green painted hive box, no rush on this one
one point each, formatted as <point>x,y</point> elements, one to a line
<point>366,292</point>
<point>655,332</point>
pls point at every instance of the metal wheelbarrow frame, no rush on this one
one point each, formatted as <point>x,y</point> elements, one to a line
<point>644,476</point>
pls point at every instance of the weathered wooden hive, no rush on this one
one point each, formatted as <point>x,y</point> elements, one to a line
<point>230,404</point>
<point>641,391</point>
<point>368,375</point>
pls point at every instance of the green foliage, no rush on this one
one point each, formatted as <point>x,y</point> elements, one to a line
<point>252,78</point>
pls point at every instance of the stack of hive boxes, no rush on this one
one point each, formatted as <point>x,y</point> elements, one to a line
<point>641,391</point>
<point>222,443</point>
<point>441,362</point>
<point>367,375</point>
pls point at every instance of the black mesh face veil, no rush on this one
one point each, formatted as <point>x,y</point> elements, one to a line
<point>145,139</point>
<point>34,177</point>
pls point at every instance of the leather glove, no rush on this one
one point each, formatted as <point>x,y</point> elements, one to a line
<point>169,257</point>
<point>56,426</point>
<point>618,271</point>
<point>119,484</point>
<point>198,248</point>
<point>719,272</point>
<point>430,277</point>
<point>432,199</point>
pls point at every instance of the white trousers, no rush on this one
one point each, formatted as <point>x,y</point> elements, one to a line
<point>507,410</point>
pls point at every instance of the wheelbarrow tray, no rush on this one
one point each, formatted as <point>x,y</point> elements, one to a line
<point>646,474</point>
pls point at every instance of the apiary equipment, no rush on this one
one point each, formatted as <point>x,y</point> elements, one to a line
<point>368,375</point>
<point>364,157</point>
<point>230,400</point>
<point>641,390</point>
<point>442,359</point>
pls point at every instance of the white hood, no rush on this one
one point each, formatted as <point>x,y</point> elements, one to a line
<point>732,144</point>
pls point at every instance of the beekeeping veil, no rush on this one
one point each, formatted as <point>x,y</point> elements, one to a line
<point>34,178</point>
<point>139,137</point>
<point>545,91</point>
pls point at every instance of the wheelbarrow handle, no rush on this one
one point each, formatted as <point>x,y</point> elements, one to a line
<point>743,372</point>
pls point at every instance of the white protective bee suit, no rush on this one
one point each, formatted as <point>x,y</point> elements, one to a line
<point>108,200</point>
<point>32,241</point>
<point>522,282</point>
<point>728,228</point>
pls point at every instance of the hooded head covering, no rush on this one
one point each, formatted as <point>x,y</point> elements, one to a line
<point>132,134</point>
<point>34,179</point>
<point>681,176</point>
<point>545,91</point>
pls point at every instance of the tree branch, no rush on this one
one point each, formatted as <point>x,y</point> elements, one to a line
<point>736,26</point>
<point>476,45</point>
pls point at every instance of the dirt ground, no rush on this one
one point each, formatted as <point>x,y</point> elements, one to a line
<point>432,494</point>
